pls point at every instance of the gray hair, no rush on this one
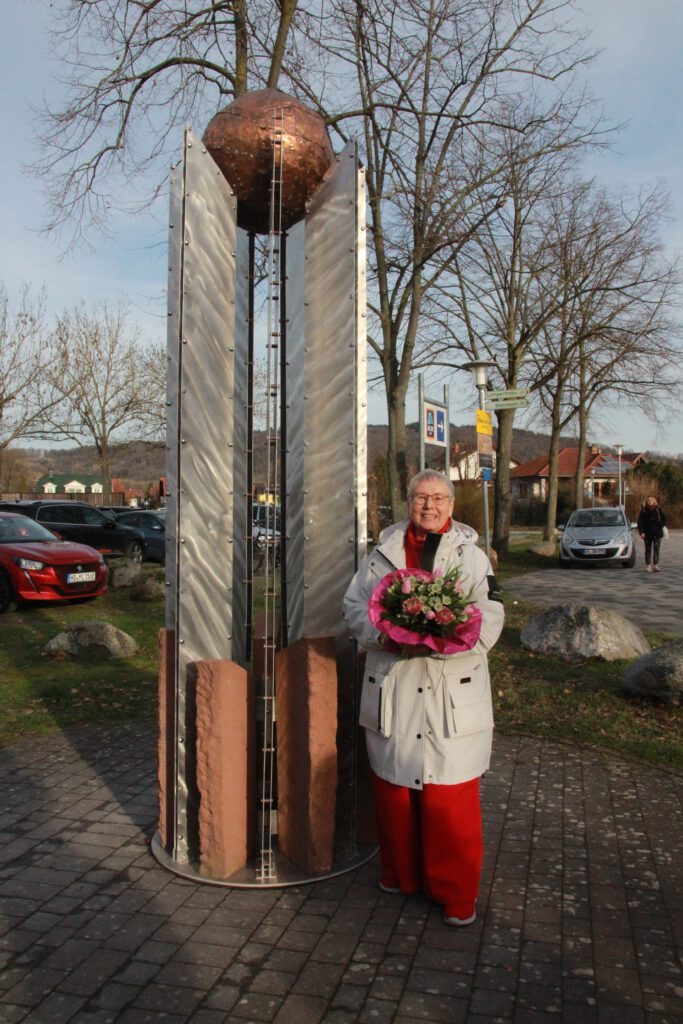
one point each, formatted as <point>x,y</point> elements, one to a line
<point>429,474</point>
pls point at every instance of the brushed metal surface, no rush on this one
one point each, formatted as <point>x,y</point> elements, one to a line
<point>294,442</point>
<point>177,823</point>
<point>334,417</point>
<point>201,356</point>
<point>241,526</point>
<point>207,412</point>
<point>175,264</point>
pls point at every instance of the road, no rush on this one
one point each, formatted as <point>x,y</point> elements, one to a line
<point>651,600</point>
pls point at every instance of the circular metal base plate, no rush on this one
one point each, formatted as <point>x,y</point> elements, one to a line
<point>285,873</point>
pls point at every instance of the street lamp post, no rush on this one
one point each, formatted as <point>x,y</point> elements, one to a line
<point>592,488</point>
<point>620,449</point>
<point>479,368</point>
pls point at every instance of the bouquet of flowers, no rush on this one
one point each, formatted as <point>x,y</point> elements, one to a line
<point>413,606</point>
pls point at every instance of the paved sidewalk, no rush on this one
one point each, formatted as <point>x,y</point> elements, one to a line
<point>651,600</point>
<point>580,916</point>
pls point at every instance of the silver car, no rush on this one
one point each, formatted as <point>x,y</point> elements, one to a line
<point>597,535</point>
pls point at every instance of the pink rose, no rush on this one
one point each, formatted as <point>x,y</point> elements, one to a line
<point>406,585</point>
<point>412,606</point>
<point>444,616</point>
<point>430,614</point>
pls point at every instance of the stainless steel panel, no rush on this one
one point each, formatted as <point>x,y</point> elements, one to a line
<point>241,451</point>
<point>175,263</point>
<point>201,343</point>
<point>296,340</point>
<point>334,396</point>
<point>207,413</point>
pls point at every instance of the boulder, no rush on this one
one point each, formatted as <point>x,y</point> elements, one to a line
<point>545,548</point>
<point>577,632</point>
<point>657,676</point>
<point>148,587</point>
<point>91,641</point>
<point>122,573</point>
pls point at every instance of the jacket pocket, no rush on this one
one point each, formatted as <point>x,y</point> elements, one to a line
<point>470,718</point>
<point>466,679</point>
<point>376,703</point>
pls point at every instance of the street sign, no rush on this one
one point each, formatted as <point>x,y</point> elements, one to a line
<point>506,403</point>
<point>434,420</point>
<point>492,396</point>
<point>484,422</point>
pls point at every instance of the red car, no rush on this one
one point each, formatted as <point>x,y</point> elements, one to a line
<point>35,565</point>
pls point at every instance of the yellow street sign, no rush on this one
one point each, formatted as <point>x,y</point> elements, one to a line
<point>484,422</point>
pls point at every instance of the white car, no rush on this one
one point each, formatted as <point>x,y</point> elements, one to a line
<point>597,535</point>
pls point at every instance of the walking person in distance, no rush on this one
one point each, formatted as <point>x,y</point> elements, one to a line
<point>652,527</point>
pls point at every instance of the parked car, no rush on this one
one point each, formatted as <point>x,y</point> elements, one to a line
<point>35,565</point>
<point>152,526</point>
<point>597,535</point>
<point>84,524</point>
<point>267,517</point>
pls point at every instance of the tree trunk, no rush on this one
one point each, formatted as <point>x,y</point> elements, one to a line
<point>397,462</point>
<point>580,491</point>
<point>241,47</point>
<point>502,515</point>
<point>551,500</point>
<point>287,9</point>
<point>105,467</point>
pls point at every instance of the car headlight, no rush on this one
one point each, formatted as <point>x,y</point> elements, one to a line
<point>623,538</point>
<point>29,563</point>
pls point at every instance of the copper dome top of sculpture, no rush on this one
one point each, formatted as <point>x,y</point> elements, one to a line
<point>240,140</point>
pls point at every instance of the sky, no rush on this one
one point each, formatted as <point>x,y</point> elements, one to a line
<point>637,78</point>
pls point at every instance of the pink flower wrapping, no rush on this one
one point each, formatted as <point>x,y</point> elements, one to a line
<point>441,601</point>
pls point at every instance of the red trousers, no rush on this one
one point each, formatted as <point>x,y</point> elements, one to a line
<point>431,839</point>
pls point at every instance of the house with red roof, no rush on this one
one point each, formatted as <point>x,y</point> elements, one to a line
<point>601,473</point>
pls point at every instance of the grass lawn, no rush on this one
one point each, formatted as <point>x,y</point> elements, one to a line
<point>533,694</point>
<point>580,702</point>
<point>39,695</point>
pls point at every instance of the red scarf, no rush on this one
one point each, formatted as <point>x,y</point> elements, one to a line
<point>414,543</point>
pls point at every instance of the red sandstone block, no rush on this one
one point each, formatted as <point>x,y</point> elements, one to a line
<point>225,778</point>
<point>306,695</point>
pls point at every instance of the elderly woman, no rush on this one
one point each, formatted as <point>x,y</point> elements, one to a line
<point>428,717</point>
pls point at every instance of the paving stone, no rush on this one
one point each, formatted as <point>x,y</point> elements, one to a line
<point>580,917</point>
<point>299,1009</point>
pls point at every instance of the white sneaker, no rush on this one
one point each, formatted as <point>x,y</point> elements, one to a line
<point>648,568</point>
<point>656,568</point>
<point>388,888</point>
<point>459,922</point>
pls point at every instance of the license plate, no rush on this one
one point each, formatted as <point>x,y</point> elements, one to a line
<point>595,551</point>
<point>81,577</point>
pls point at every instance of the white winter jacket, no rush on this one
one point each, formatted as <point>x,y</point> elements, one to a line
<point>427,719</point>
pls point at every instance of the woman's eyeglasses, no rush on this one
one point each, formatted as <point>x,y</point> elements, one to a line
<point>438,499</point>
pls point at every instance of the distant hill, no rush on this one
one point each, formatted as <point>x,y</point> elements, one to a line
<point>139,463</point>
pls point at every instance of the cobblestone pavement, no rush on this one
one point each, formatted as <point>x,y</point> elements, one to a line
<point>580,915</point>
<point>651,600</point>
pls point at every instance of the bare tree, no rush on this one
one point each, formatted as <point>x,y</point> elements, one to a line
<point>25,360</point>
<point>428,86</point>
<point>431,87</point>
<point>613,335</point>
<point>495,297</point>
<point>100,377</point>
<point>153,364</point>
<point>135,73</point>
